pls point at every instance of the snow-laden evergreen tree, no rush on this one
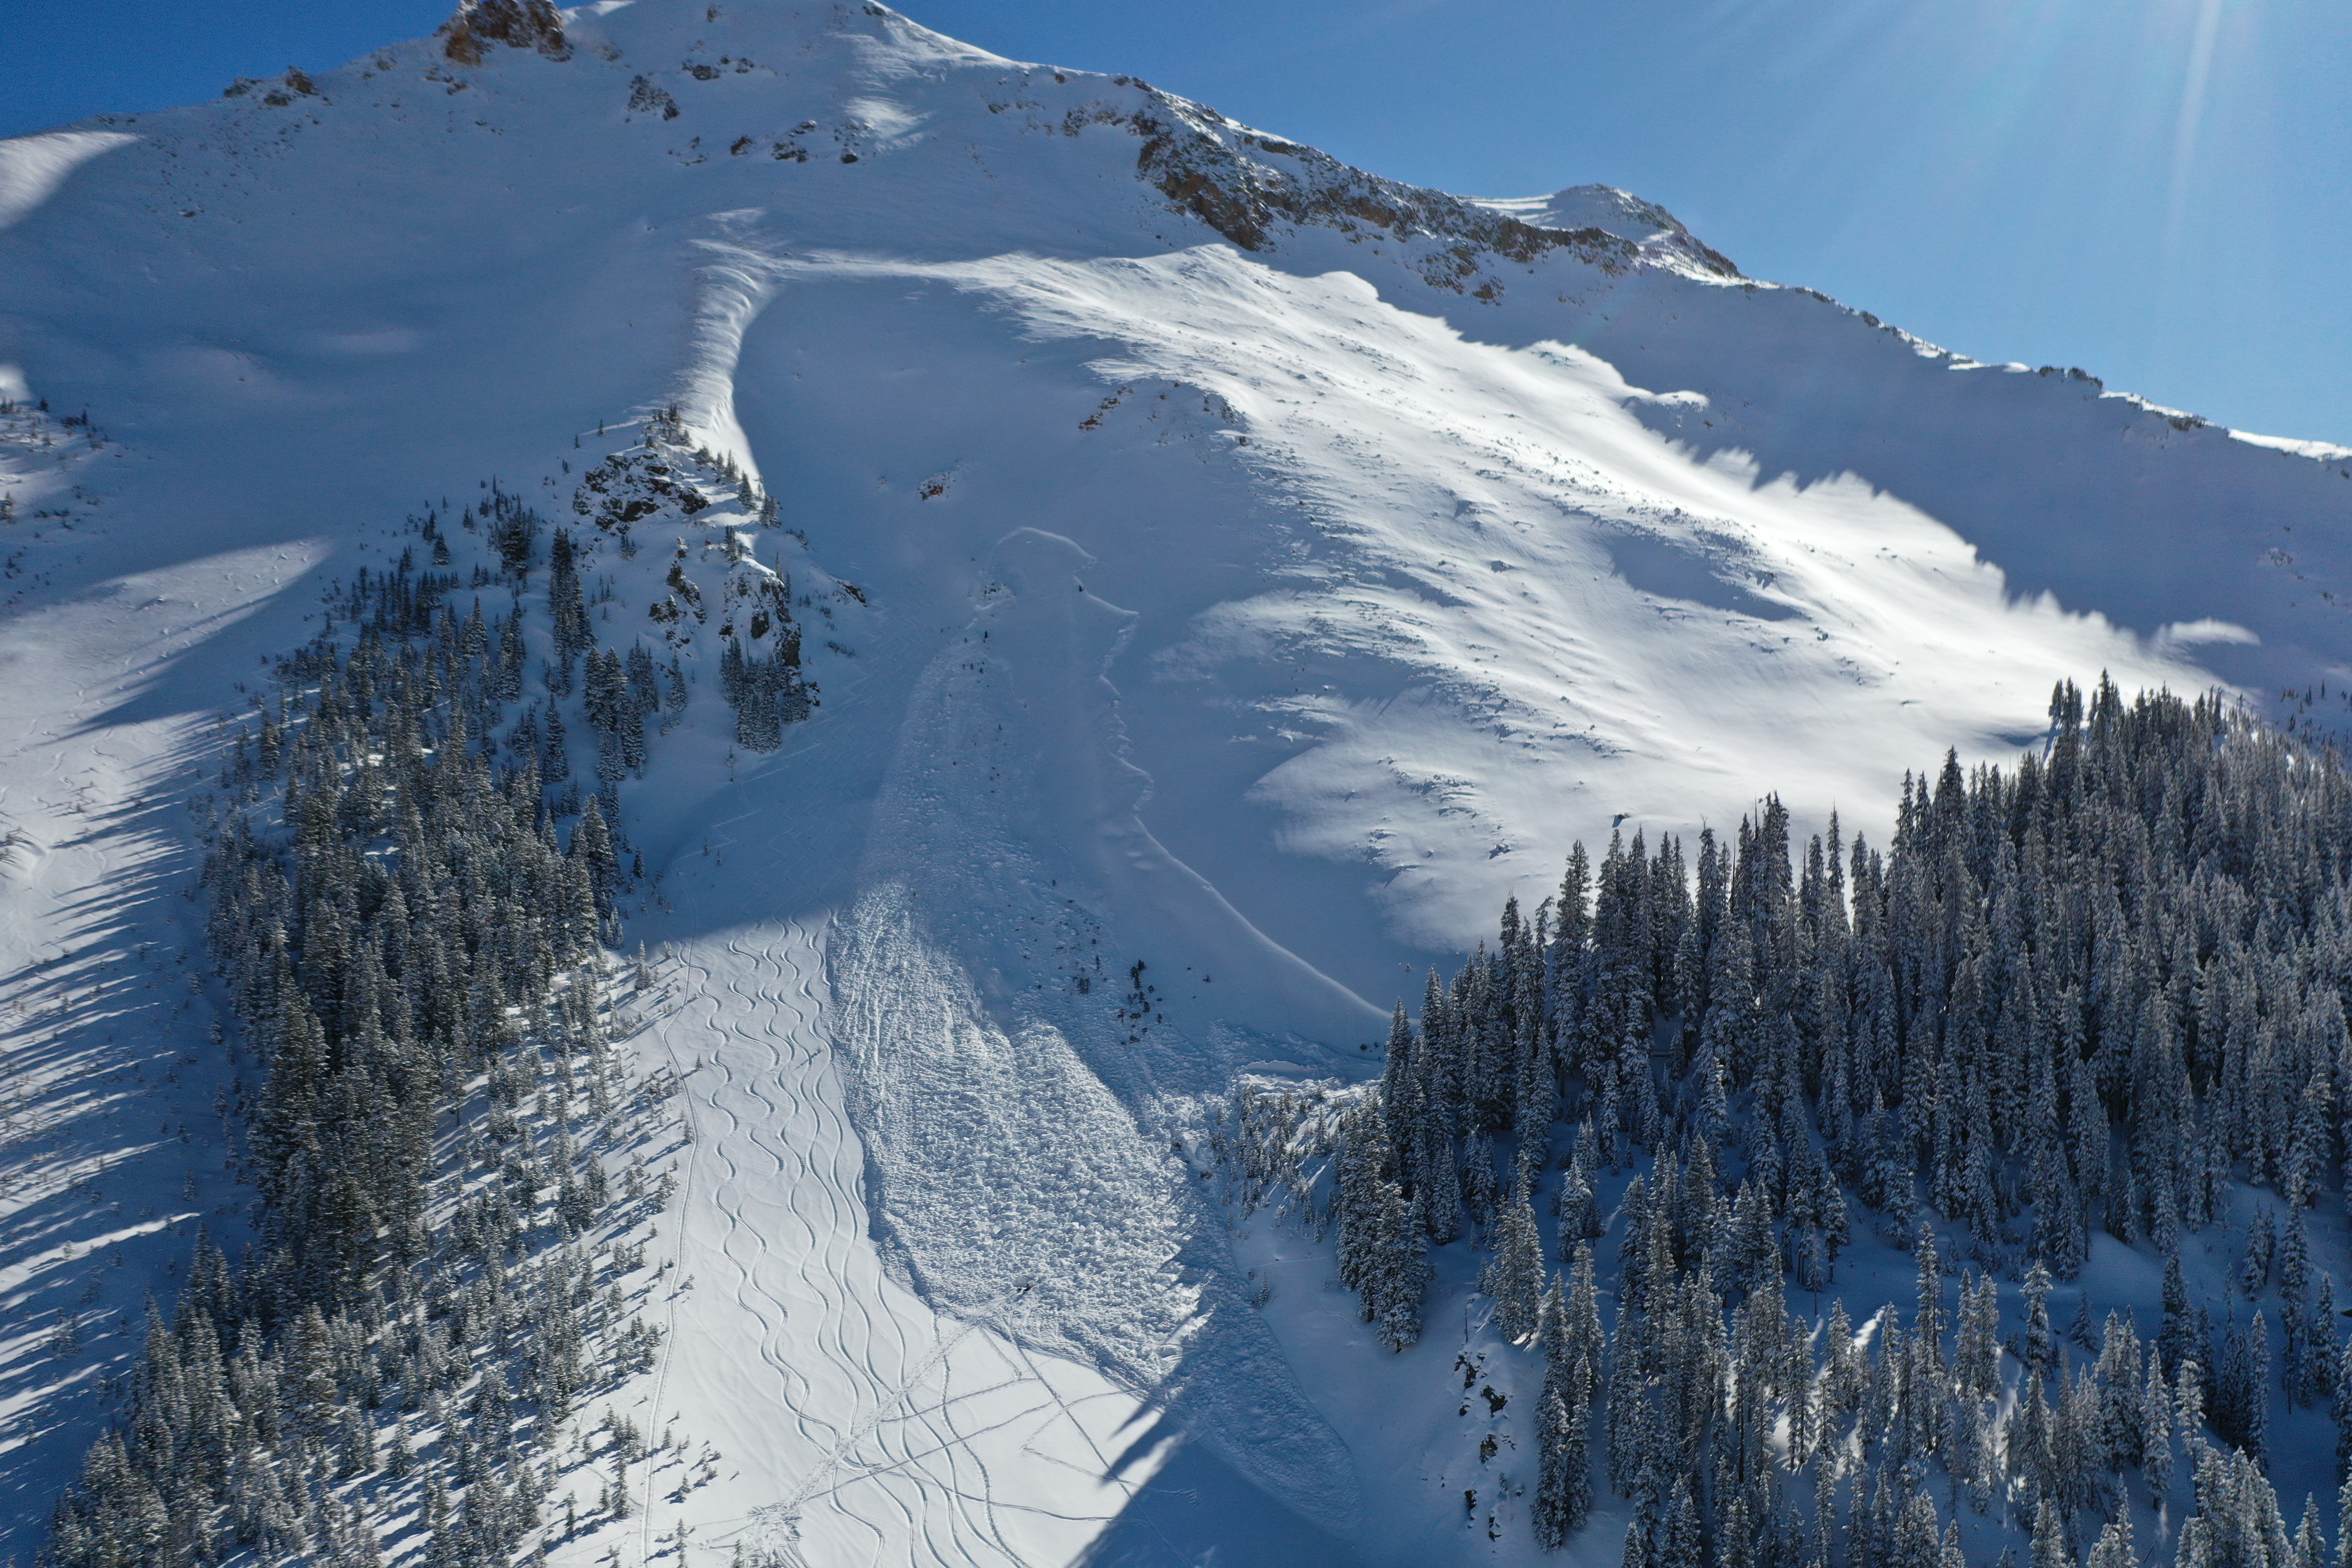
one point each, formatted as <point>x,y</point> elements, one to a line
<point>2242,1396</point>
<point>2156,1434</point>
<point>2341,1408</point>
<point>2237,1523</point>
<point>1381,1252</point>
<point>1515,1277</point>
<point>2051,1547</point>
<point>1563,1483</point>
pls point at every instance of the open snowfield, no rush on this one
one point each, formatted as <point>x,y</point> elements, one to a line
<point>1259,616</point>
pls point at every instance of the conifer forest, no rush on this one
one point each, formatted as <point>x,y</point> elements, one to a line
<point>2096,992</point>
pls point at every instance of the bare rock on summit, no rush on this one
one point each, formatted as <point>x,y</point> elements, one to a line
<point>517,24</point>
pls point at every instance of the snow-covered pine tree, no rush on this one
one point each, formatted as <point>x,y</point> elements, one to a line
<point>1515,1275</point>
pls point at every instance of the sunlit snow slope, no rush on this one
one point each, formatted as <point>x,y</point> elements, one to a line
<point>1267,567</point>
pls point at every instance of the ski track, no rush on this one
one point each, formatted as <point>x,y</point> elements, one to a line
<point>853,1423</point>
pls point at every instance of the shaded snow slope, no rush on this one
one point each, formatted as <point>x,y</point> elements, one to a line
<point>111,1136</point>
<point>1265,568</point>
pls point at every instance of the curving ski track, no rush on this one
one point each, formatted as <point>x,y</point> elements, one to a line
<point>854,1424</point>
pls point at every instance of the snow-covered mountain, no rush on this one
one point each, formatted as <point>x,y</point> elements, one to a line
<point>1228,574</point>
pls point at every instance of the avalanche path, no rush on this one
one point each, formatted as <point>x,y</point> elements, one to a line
<point>854,1424</point>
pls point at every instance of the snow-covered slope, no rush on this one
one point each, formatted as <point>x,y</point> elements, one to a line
<point>1265,567</point>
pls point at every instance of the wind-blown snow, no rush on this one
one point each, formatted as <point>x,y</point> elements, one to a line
<point>33,167</point>
<point>1323,592</point>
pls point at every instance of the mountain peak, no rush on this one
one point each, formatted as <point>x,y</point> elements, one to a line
<point>1644,224</point>
<point>516,23</point>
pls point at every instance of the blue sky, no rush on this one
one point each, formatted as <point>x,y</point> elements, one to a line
<point>2159,191</point>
